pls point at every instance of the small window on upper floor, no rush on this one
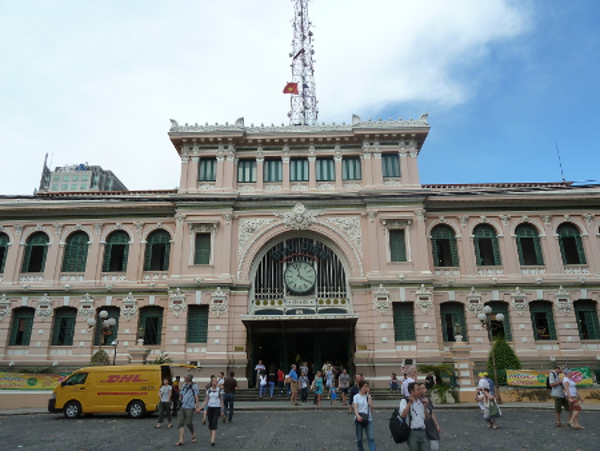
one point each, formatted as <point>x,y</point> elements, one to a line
<point>299,170</point>
<point>528,245</point>
<point>443,246</point>
<point>390,164</point>
<point>158,247</point>
<point>272,171</point>
<point>571,247</point>
<point>36,250</point>
<point>55,187</point>
<point>351,168</point>
<point>207,169</point>
<point>116,252</point>
<point>65,178</point>
<point>3,250</point>
<point>397,245</point>
<point>486,246</point>
<point>76,250</point>
<point>325,169</point>
<point>246,171</point>
<point>202,249</point>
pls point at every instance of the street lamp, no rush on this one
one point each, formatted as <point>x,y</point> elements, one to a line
<point>114,344</point>
<point>107,326</point>
<point>485,317</point>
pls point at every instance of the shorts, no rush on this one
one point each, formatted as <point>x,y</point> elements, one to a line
<point>294,387</point>
<point>184,418</point>
<point>574,406</point>
<point>345,390</point>
<point>561,403</point>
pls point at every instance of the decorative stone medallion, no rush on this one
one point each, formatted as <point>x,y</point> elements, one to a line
<point>177,304</point>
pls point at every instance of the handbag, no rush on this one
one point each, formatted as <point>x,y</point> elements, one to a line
<point>494,409</point>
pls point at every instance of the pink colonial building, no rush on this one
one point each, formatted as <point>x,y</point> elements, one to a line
<point>301,242</point>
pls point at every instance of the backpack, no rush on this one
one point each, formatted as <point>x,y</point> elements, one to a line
<point>399,428</point>
<point>548,386</point>
<point>492,386</point>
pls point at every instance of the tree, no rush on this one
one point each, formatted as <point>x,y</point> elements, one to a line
<point>100,358</point>
<point>506,359</point>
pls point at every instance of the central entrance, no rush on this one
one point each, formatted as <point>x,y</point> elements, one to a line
<point>281,343</point>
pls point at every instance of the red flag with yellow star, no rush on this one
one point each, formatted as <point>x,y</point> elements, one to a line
<point>291,88</point>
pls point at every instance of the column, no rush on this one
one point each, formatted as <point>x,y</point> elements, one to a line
<point>183,181</point>
<point>312,173</point>
<point>192,174</point>
<point>339,182</point>
<point>286,172</point>
<point>366,166</point>
<point>220,167</point>
<point>377,173</point>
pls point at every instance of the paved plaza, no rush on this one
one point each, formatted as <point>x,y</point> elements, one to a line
<point>462,429</point>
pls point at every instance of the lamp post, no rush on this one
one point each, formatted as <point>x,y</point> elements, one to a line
<point>114,344</point>
<point>485,317</point>
<point>107,326</point>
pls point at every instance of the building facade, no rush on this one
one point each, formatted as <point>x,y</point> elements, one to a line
<point>79,178</point>
<point>301,242</point>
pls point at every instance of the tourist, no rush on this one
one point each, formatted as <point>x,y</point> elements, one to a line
<point>317,386</point>
<point>557,391</point>
<point>175,394</point>
<point>329,379</point>
<point>293,378</point>
<point>164,394</point>
<point>353,391</point>
<point>393,382</point>
<point>363,407</point>
<point>262,383</point>
<point>409,377</point>
<point>432,427</point>
<point>213,405</point>
<point>229,387</point>
<point>481,385</point>
<point>271,381</point>
<point>221,379</point>
<point>344,385</point>
<point>490,408</point>
<point>429,381</point>
<point>258,368</point>
<point>280,379</point>
<point>189,399</point>
<point>414,411</point>
<point>573,398</point>
<point>304,386</point>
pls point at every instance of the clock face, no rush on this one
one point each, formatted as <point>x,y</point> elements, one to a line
<point>300,277</point>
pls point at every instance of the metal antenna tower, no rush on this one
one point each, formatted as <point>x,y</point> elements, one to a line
<point>303,103</point>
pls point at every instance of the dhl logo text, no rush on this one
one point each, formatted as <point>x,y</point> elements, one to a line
<point>119,379</point>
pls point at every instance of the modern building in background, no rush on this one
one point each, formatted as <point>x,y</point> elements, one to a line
<point>312,242</point>
<point>79,178</point>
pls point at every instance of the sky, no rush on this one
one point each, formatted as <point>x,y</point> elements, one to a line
<point>506,83</point>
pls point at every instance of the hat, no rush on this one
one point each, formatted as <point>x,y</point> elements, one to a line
<point>567,371</point>
<point>481,374</point>
<point>486,374</point>
<point>189,377</point>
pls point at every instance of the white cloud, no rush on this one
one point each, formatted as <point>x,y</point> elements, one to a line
<point>98,81</point>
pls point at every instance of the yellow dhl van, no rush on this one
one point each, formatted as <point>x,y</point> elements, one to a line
<point>113,389</point>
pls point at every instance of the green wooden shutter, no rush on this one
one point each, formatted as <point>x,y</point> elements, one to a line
<point>542,317</point>
<point>587,320</point>
<point>390,164</point>
<point>197,324</point>
<point>64,326</point>
<point>527,231</point>
<point>485,232</point>
<point>207,169</point>
<point>404,321</point>
<point>22,316</point>
<point>397,246</point>
<point>38,239</point>
<point>151,322</point>
<point>272,171</point>
<point>76,250</point>
<point>444,247</point>
<point>299,170</point>
<point>202,250</point>
<point>155,239</point>
<point>3,250</point>
<point>246,171</point>
<point>569,234</point>
<point>351,169</point>
<point>453,314</point>
<point>116,238</point>
<point>325,169</point>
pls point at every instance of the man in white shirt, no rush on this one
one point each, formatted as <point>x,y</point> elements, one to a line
<point>411,372</point>
<point>414,411</point>
<point>483,383</point>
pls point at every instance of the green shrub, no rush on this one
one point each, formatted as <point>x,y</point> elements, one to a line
<point>506,359</point>
<point>100,358</point>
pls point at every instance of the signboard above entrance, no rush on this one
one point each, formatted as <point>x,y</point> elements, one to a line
<point>292,248</point>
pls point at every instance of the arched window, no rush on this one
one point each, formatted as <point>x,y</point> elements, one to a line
<point>487,252</point>
<point>443,243</point>
<point>453,321</point>
<point>64,326</point>
<point>571,247</point>
<point>157,251</point>
<point>36,250</point>
<point>542,320</point>
<point>528,245</point>
<point>107,335</point>
<point>22,323</point>
<point>587,319</point>
<point>151,324</point>
<point>76,250</point>
<point>3,250</point>
<point>500,328</point>
<point>116,251</point>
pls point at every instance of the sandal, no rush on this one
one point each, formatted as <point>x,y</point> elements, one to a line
<point>157,426</point>
<point>179,444</point>
<point>194,438</point>
<point>495,426</point>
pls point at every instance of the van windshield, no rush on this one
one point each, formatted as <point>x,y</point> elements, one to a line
<point>76,379</point>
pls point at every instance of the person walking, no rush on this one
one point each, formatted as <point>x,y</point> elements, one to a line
<point>317,386</point>
<point>432,427</point>
<point>573,398</point>
<point>229,387</point>
<point>164,394</point>
<point>354,391</point>
<point>293,377</point>
<point>481,385</point>
<point>557,391</point>
<point>304,385</point>
<point>189,399</point>
<point>490,408</point>
<point>414,411</point>
<point>280,379</point>
<point>410,377</point>
<point>271,381</point>
<point>175,395</point>
<point>344,385</point>
<point>213,405</point>
<point>363,420</point>
<point>329,380</point>
<point>262,384</point>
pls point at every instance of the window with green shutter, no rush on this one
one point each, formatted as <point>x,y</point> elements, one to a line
<point>36,250</point>
<point>351,168</point>
<point>207,169</point>
<point>202,249</point>
<point>587,319</point>
<point>22,323</point>
<point>487,252</point>
<point>500,328</point>
<point>390,164</point>
<point>76,250</point>
<point>571,246</point>
<point>542,320</point>
<point>3,250</point>
<point>64,326</point>
<point>107,336</point>
<point>444,248</point>
<point>299,170</point>
<point>397,245</point>
<point>528,246</point>
<point>272,171</point>
<point>197,330</point>
<point>116,252</point>
<point>246,171</point>
<point>404,321</point>
<point>453,321</point>
<point>325,169</point>
<point>158,246</point>
<point>151,325</point>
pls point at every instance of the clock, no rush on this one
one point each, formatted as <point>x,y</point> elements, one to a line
<point>300,277</point>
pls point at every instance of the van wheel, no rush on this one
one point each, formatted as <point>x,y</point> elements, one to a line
<point>72,409</point>
<point>136,409</point>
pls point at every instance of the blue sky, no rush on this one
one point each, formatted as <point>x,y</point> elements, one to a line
<point>503,81</point>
